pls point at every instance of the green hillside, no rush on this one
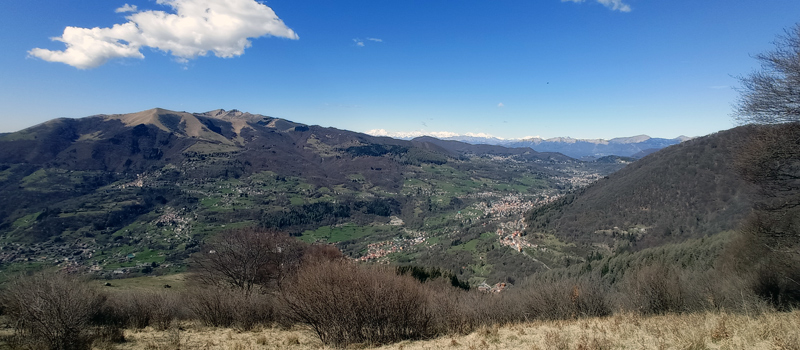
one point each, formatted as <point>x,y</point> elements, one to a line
<point>126,195</point>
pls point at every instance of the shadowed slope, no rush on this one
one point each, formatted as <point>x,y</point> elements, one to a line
<point>684,191</point>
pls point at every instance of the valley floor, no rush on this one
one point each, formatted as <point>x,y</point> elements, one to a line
<point>623,331</point>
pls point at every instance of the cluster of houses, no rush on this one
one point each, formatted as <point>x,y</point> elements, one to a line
<point>139,182</point>
<point>173,217</point>
<point>380,249</point>
<point>510,234</point>
<point>578,178</point>
<point>496,288</point>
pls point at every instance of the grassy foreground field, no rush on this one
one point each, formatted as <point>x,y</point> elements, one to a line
<point>623,331</point>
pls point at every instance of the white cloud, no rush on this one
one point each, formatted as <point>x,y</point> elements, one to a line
<point>89,48</point>
<point>361,43</point>
<point>126,8</point>
<point>410,134</point>
<point>500,105</point>
<point>418,133</point>
<point>223,27</point>
<point>377,132</point>
<point>482,134</point>
<point>616,5</point>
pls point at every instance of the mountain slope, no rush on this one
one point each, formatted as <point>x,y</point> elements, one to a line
<point>245,143</point>
<point>684,191</point>
<point>112,192</point>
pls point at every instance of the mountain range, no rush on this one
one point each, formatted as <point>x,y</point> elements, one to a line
<point>584,149</point>
<point>128,194</point>
<point>112,193</point>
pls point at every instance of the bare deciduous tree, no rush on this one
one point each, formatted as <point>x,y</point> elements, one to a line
<point>247,259</point>
<point>772,95</point>
<point>770,158</point>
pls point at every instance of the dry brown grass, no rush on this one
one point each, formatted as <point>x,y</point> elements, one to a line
<point>623,331</point>
<point>196,336</point>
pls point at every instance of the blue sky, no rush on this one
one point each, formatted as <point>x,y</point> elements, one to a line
<point>585,69</point>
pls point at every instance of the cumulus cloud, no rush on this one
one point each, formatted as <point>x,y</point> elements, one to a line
<point>126,8</point>
<point>616,5</point>
<point>500,105</point>
<point>197,27</point>
<point>359,42</point>
<point>89,48</point>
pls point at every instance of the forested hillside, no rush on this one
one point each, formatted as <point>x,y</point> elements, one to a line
<point>681,192</point>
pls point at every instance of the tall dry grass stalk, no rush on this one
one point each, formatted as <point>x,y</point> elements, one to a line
<point>622,331</point>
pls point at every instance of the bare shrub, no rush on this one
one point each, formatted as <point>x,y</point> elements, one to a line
<point>762,264</point>
<point>566,299</point>
<point>456,311</point>
<point>774,259</point>
<point>225,307</point>
<point>53,311</point>
<point>777,281</point>
<point>721,290</point>
<point>139,309</point>
<point>502,309</point>
<point>653,289</point>
<point>347,304</point>
<point>254,310</point>
<point>212,306</point>
<point>321,253</point>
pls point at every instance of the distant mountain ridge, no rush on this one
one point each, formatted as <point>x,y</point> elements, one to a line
<point>582,148</point>
<point>587,149</point>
